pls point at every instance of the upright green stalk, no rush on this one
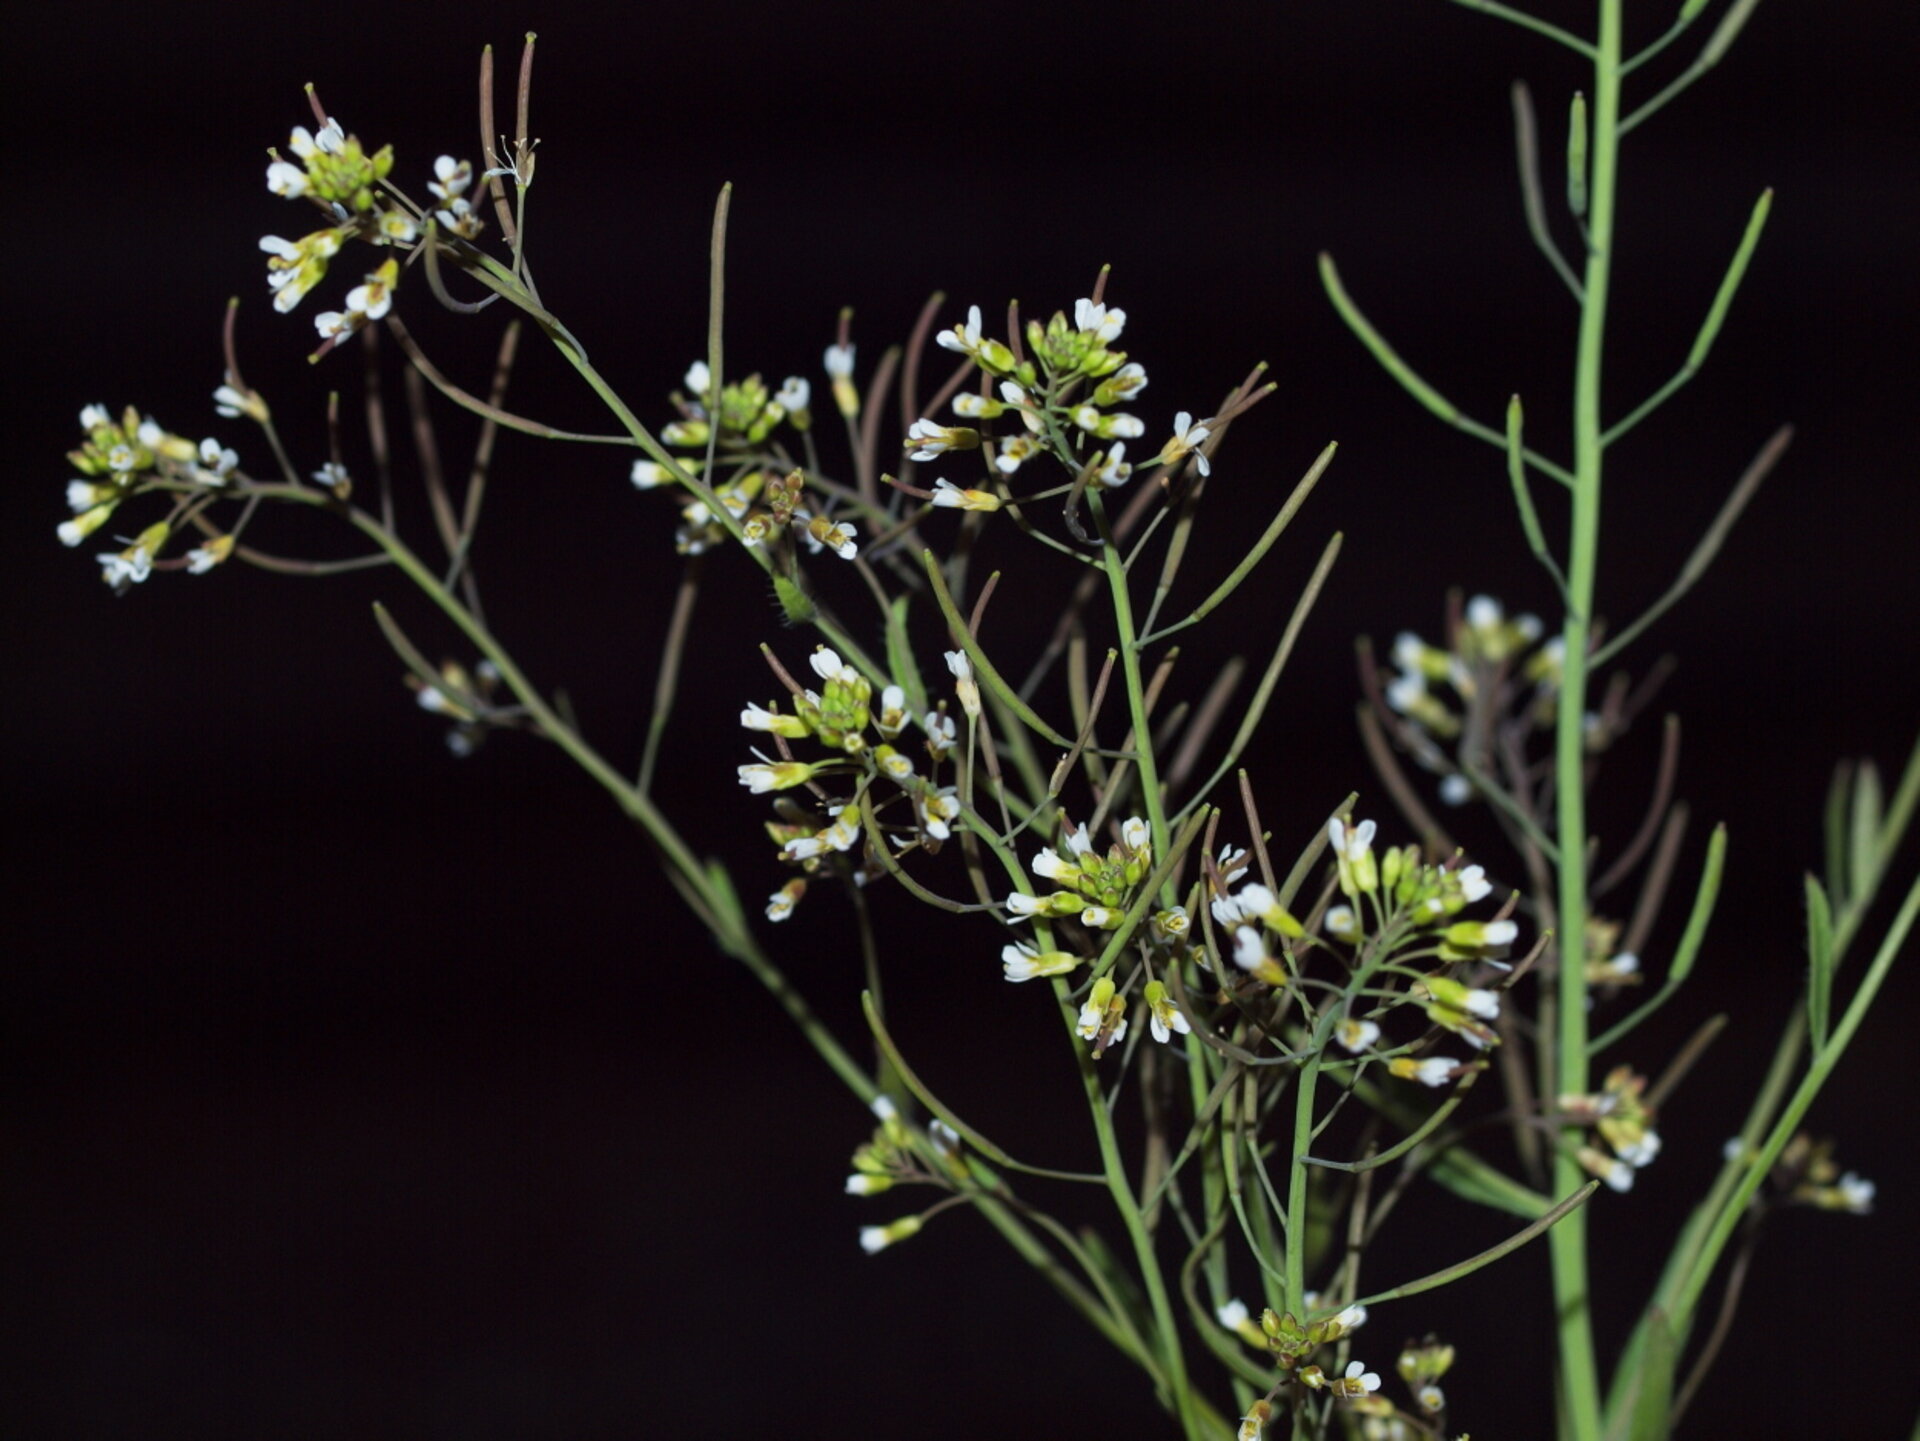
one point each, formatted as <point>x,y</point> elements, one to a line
<point>1579,1374</point>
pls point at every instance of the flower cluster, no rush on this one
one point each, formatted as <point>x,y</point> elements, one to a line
<point>839,716</point>
<point>123,457</point>
<point>1807,1175</point>
<point>1064,388</point>
<point>1493,666</point>
<point>1400,911</point>
<point>1622,1121</point>
<point>754,477</point>
<point>465,697</point>
<point>335,173</point>
<point>896,1155</point>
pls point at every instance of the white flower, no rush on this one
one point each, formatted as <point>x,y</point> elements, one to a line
<point>1482,1003</point>
<point>1124,384</point>
<point>964,684</point>
<point>1355,1035</point>
<point>232,404</point>
<point>371,300</point>
<point>1857,1193</point>
<point>976,407</point>
<point>1359,1380</point>
<point>951,496</point>
<point>1134,834</point>
<point>1111,469</point>
<point>1023,962</point>
<point>828,666</point>
<point>862,1184</point>
<point>1049,865</point>
<point>838,361</point>
<point>131,565</point>
<point>874,1239</point>
<point>1484,613</point>
<point>1435,1071</point>
<point>927,439</point>
<point>1078,841</point>
<point>883,1109</point>
<point>941,731</point>
<point>1187,438</point>
<point>1015,451</point>
<point>1020,905</point>
<point>1249,950</point>
<point>285,178</point>
<point>1164,1018</point>
<point>1500,933</point>
<point>1352,1319</point>
<point>794,394</point>
<point>1342,924</point>
<point>781,903</point>
<point>698,378</point>
<point>1350,844</point>
<point>216,461</point>
<point>451,178</point>
<point>92,417</point>
<point>1474,884</point>
<point>938,811</point>
<point>1455,790</point>
<point>1232,1314</point>
<point>649,473</point>
<point>331,476</point>
<point>1098,320</point>
<point>840,836</point>
<point>963,338</point>
<point>1641,1152</point>
<point>1107,427</point>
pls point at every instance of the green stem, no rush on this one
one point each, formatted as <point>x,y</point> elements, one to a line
<point>1579,1370</point>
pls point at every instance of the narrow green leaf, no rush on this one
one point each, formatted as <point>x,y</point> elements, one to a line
<point>1649,1402</point>
<point>1411,381</point>
<point>1864,856</point>
<point>1819,963</point>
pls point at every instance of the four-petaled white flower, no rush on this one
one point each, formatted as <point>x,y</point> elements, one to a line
<point>1097,320</point>
<point>451,179</point>
<point>964,338</point>
<point>838,362</point>
<point>942,733</point>
<point>1188,435</point>
<point>938,811</point>
<point>132,565</point>
<point>1163,1016</point>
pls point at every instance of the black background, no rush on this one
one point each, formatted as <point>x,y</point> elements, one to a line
<point>357,1090</point>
